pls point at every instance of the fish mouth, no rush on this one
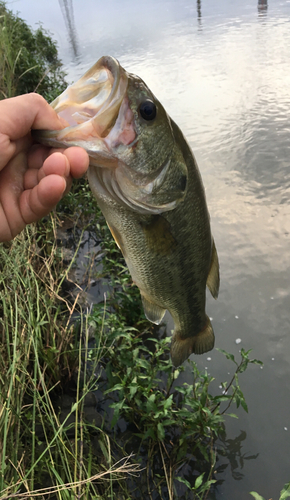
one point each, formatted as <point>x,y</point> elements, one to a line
<point>91,107</point>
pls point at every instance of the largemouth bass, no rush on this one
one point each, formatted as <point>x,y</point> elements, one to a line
<point>148,186</point>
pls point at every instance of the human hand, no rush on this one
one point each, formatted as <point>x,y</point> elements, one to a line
<point>32,178</point>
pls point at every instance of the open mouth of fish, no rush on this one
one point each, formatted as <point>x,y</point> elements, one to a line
<point>97,110</point>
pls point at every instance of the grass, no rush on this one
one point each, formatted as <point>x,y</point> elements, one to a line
<point>38,352</point>
<point>28,59</point>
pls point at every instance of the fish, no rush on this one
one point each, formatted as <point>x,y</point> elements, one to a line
<point>146,181</point>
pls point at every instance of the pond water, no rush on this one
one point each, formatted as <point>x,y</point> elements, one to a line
<point>222,71</point>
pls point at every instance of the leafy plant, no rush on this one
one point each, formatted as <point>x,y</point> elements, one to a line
<point>285,493</point>
<point>172,423</point>
<point>128,367</point>
<point>28,59</point>
<point>38,352</point>
<point>201,486</point>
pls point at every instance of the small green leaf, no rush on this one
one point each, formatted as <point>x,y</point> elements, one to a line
<point>149,433</point>
<point>150,405</point>
<point>104,450</point>
<point>168,421</point>
<point>168,402</point>
<point>117,408</point>
<point>117,387</point>
<point>256,495</point>
<point>244,405</point>
<point>285,493</point>
<point>160,431</point>
<point>243,366</point>
<point>245,354</point>
<point>144,364</point>
<point>220,399</point>
<point>133,389</point>
<point>184,481</point>
<point>198,481</point>
<point>256,362</point>
<point>74,407</point>
<point>228,355</point>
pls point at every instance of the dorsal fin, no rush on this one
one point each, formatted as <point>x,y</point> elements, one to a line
<point>213,279</point>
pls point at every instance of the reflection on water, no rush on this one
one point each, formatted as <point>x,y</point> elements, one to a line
<point>199,11</point>
<point>221,69</point>
<point>68,15</point>
<point>262,6</point>
<point>232,450</point>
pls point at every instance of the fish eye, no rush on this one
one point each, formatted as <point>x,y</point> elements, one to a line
<point>148,110</point>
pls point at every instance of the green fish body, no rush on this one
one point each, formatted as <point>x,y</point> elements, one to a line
<point>148,186</point>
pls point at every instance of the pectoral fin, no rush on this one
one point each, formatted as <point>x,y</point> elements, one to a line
<point>118,238</point>
<point>158,235</point>
<point>213,279</point>
<point>153,312</point>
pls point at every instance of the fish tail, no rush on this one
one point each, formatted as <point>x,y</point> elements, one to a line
<point>182,347</point>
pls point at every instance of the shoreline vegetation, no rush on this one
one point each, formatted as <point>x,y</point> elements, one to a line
<point>129,428</point>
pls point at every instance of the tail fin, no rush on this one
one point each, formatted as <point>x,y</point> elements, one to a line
<point>183,347</point>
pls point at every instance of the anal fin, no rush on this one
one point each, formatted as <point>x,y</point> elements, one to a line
<point>213,279</point>
<point>153,312</point>
<point>183,347</point>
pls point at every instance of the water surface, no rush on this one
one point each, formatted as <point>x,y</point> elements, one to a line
<point>221,69</point>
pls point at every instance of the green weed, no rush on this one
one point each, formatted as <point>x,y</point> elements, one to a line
<point>128,367</point>
<point>38,353</point>
<point>285,493</point>
<point>28,59</point>
<point>171,424</point>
